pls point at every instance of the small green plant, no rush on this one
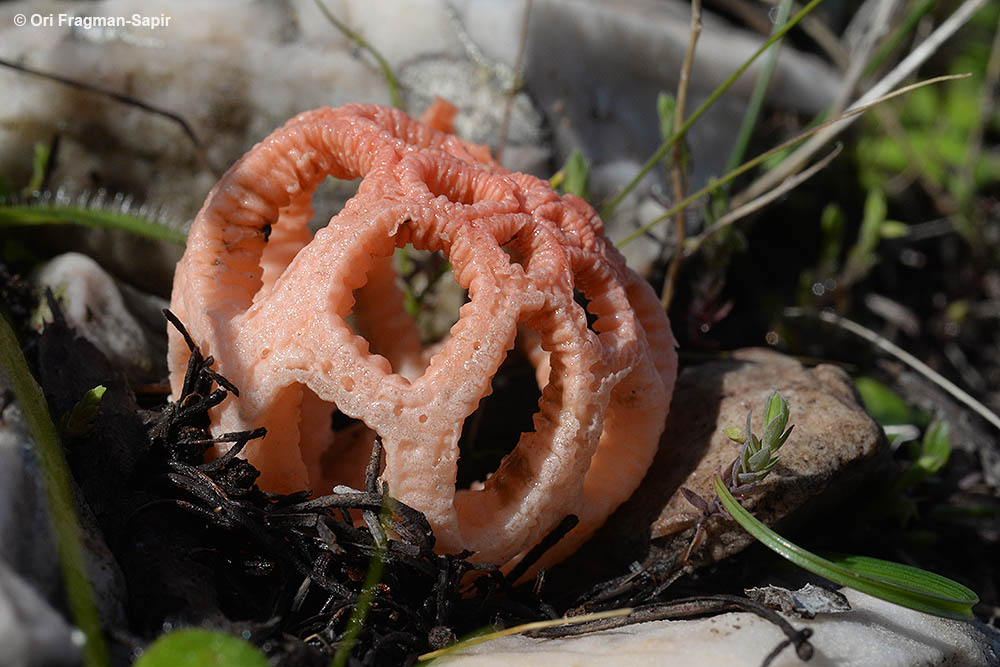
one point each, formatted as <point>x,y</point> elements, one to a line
<point>757,459</point>
<point>900,584</point>
<point>875,226</point>
<point>574,177</point>
<point>929,457</point>
<point>81,418</point>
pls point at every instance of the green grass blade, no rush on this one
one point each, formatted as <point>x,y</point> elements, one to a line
<point>900,584</point>
<point>366,597</point>
<point>609,208</point>
<point>750,164</point>
<point>59,491</point>
<point>395,97</point>
<point>26,215</point>
<point>760,89</point>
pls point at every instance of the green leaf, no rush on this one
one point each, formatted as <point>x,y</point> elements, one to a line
<point>894,229</point>
<point>30,214</point>
<point>735,434</point>
<point>195,647</point>
<point>666,108</point>
<point>39,166</point>
<point>935,448</point>
<point>885,405</point>
<point>900,584</point>
<point>759,460</point>
<point>784,437</point>
<point>774,408</point>
<point>775,420</point>
<point>871,224</point>
<point>81,417</point>
<point>575,175</point>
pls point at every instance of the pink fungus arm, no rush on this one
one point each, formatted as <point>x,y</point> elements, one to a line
<point>308,324</point>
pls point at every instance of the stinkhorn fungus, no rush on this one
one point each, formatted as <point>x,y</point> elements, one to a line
<point>271,303</point>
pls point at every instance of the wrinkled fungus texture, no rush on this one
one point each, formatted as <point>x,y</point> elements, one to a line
<point>270,302</point>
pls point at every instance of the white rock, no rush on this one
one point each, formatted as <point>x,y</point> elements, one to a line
<point>93,305</point>
<point>873,633</point>
<point>234,70</point>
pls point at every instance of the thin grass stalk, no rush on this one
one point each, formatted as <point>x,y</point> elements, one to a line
<point>756,102</point>
<point>905,68</point>
<point>390,78</point>
<point>661,152</point>
<point>677,169</point>
<point>750,164</point>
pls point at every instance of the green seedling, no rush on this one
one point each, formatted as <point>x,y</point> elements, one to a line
<point>81,418</point>
<point>574,177</point>
<point>40,162</point>
<point>900,584</point>
<point>886,406</point>
<point>757,457</point>
<point>929,458</point>
<point>862,257</point>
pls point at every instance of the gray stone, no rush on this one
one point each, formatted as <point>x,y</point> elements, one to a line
<point>872,633</point>
<point>32,633</point>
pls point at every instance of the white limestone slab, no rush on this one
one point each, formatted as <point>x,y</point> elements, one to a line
<point>873,633</point>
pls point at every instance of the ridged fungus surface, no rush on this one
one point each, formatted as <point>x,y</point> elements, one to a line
<point>306,325</point>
